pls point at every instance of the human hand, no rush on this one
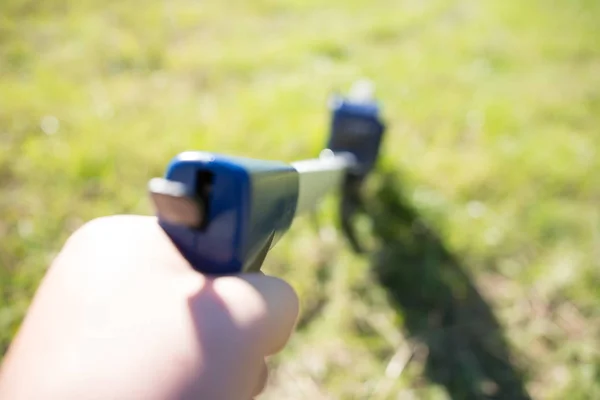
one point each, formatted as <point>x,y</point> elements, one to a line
<point>121,315</point>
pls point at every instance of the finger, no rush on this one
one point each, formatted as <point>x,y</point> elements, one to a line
<point>262,380</point>
<point>265,307</point>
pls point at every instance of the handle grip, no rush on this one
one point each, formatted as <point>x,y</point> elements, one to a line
<point>224,213</point>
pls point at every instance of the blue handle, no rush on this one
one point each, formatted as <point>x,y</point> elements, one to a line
<point>246,206</point>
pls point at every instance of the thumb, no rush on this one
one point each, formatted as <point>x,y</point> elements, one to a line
<point>265,307</point>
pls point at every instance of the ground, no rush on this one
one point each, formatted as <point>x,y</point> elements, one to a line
<point>482,279</point>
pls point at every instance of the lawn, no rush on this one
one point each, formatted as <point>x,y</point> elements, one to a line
<point>483,280</point>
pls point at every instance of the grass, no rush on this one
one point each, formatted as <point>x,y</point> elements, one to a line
<point>484,277</point>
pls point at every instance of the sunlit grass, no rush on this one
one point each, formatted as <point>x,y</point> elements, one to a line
<point>493,108</point>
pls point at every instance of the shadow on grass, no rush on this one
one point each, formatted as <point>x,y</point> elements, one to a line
<point>440,305</point>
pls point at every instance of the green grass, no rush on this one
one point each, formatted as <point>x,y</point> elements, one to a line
<point>485,273</point>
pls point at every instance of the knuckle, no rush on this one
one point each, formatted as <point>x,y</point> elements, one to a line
<point>93,230</point>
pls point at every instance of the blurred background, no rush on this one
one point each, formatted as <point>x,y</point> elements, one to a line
<point>484,277</point>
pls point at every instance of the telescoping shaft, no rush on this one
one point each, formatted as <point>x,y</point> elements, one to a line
<point>319,176</point>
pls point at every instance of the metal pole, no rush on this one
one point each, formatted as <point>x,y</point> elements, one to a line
<point>319,176</point>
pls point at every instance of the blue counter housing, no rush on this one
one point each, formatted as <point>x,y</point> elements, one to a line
<point>249,203</point>
<point>356,128</point>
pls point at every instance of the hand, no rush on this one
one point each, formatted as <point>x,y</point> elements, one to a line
<point>121,315</point>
